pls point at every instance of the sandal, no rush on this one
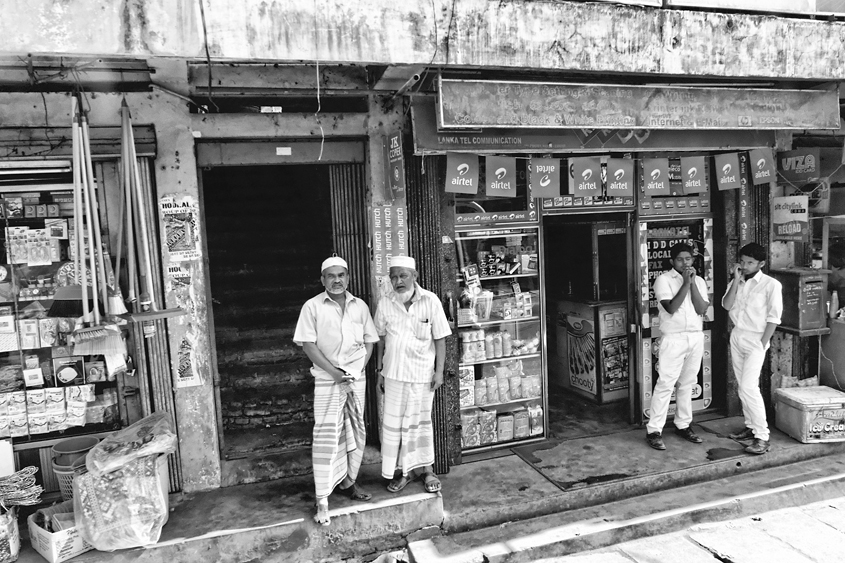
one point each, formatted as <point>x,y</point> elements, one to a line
<point>399,483</point>
<point>355,492</point>
<point>431,482</point>
<point>322,516</point>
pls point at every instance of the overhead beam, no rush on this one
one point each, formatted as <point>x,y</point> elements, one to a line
<point>249,79</point>
<point>277,126</point>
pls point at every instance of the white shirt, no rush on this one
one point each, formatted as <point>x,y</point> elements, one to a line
<point>409,335</point>
<point>758,301</point>
<point>685,319</point>
<point>339,334</point>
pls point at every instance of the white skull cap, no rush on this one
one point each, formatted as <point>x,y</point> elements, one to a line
<point>403,262</point>
<point>333,261</point>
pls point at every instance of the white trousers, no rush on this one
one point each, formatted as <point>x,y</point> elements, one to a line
<point>680,361</point>
<point>747,357</point>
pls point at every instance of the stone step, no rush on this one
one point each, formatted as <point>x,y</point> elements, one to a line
<point>593,527</point>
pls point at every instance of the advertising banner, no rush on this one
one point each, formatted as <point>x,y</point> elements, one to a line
<point>500,176</point>
<point>762,166</point>
<point>693,179</point>
<point>790,217</point>
<point>799,166</point>
<point>461,173</point>
<point>656,177</point>
<point>620,177</point>
<point>544,177</point>
<point>726,170</point>
<point>585,176</point>
<point>395,159</point>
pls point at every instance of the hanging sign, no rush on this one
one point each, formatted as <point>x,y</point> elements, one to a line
<point>790,217</point>
<point>461,173</point>
<point>585,176</point>
<point>692,175</point>
<point>544,177</point>
<point>656,176</point>
<point>762,166</point>
<point>395,159</point>
<point>620,177</point>
<point>500,179</point>
<point>800,165</point>
<point>727,171</point>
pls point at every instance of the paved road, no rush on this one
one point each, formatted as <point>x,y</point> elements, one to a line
<point>814,533</point>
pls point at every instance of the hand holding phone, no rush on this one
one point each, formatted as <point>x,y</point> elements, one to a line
<point>737,271</point>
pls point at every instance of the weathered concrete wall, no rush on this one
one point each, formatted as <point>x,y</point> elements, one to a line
<point>175,174</point>
<point>561,35</point>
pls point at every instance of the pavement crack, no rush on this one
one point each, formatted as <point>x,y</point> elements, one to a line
<point>717,556</point>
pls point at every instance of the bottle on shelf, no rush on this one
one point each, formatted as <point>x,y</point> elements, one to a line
<point>834,304</point>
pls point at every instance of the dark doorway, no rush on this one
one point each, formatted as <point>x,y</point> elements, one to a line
<point>268,229</point>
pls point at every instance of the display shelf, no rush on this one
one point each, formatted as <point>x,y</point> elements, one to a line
<point>496,445</point>
<point>505,406</point>
<point>499,321</point>
<point>506,276</point>
<point>493,234</point>
<point>502,359</point>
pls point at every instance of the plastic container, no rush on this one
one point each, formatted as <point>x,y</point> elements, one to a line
<point>811,414</point>
<point>64,475</point>
<point>68,451</point>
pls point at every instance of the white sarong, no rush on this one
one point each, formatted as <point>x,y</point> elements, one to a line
<point>407,438</point>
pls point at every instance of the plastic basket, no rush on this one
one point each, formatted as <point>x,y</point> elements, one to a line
<point>64,475</point>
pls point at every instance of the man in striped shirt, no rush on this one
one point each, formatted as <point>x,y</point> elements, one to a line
<point>410,359</point>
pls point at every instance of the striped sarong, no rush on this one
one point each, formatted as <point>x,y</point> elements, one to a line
<point>339,433</point>
<point>407,437</point>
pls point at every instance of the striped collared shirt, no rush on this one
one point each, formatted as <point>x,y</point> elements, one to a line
<point>339,334</point>
<point>758,301</point>
<point>409,335</point>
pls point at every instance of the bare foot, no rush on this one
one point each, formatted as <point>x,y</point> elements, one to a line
<point>322,516</point>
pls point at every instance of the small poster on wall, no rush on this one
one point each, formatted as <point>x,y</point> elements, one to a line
<point>181,231</point>
<point>790,218</point>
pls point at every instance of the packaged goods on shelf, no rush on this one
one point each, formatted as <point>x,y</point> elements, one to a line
<point>471,429</point>
<point>467,396</point>
<point>521,424</point>
<point>36,401</point>
<point>531,386</point>
<point>480,392</point>
<point>487,426</point>
<point>503,383</point>
<point>492,390</point>
<point>505,424</point>
<point>535,414</point>
<point>515,383</point>
<point>467,376</point>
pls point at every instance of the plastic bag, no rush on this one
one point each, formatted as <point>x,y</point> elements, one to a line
<point>121,509</point>
<point>149,436</point>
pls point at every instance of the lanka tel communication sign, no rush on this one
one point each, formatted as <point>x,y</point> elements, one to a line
<point>790,217</point>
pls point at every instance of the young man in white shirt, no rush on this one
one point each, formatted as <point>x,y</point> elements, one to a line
<point>754,302</point>
<point>682,299</point>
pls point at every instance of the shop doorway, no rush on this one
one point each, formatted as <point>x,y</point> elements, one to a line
<point>589,273</point>
<point>268,228</point>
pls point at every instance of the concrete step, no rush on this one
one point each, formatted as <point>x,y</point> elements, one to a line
<point>581,529</point>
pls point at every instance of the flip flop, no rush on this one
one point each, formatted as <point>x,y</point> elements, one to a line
<point>431,482</point>
<point>355,492</point>
<point>322,516</point>
<point>399,483</point>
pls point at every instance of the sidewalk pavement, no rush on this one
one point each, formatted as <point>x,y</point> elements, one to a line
<point>813,533</point>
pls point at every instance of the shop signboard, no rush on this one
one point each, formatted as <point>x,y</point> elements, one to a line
<point>395,160</point>
<point>500,176</point>
<point>461,173</point>
<point>693,177</point>
<point>762,166</point>
<point>585,177</point>
<point>656,177</point>
<point>544,177</point>
<point>620,177</point>
<point>727,171</point>
<point>790,218</point>
<point>799,166</point>
<point>474,104</point>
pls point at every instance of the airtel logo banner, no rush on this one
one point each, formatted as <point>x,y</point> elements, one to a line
<point>656,176</point>
<point>544,177</point>
<point>693,179</point>
<point>620,177</point>
<point>461,173</point>
<point>762,165</point>
<point>501,176</point>
<point>727,171</point>
<point>585,176</point>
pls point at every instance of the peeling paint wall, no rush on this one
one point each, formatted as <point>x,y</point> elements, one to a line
<point>567,36</point>
<point>175,174</point>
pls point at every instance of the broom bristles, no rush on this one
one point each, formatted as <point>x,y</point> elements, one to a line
<point>98,340</point>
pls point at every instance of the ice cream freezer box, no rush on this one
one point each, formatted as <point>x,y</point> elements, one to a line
<point>591,355</point>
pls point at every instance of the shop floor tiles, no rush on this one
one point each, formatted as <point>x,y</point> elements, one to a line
<point>571,416</point>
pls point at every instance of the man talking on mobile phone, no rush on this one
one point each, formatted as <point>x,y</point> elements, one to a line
<point>682,299</point>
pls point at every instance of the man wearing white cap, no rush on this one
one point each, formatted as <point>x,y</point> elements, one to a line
<point>337,333</point>
<point>410,362</point>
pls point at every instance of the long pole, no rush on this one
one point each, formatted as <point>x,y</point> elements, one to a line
<point>96,243</point>
<point>81,268</point>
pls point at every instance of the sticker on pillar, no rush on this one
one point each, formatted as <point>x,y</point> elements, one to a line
<point>461,173</point>
<point>186,369</point>
<point>656,177</point>
<point>500,176</point>
<point>395,162</point>
<point>585,177</point>
<point>692,175</point>
<point>620,177</point>
<point>181,232</point>
<point>544,178</point>
<point>798,166</point>
<point>726,170</point>
<point>762,166</point>
<point>790,218</point>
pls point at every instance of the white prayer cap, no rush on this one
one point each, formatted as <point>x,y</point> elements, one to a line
<point>403,262</point>
<point>333,261</point>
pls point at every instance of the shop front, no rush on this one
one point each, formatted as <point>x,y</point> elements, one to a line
<point>556,321</point>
